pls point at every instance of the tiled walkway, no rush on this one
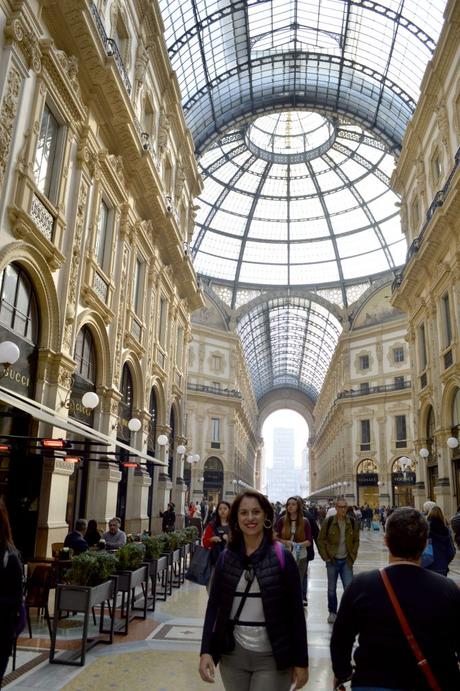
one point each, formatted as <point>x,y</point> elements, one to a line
<point>166,659</point>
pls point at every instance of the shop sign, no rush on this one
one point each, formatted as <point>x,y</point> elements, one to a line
<point>77,410</point>
<point>401,478</point>
<point>20,377</point>
<point>366,479</point>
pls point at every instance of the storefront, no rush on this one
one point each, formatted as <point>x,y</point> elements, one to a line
<point>213,483</point>
<point>367,483</point>
<point>402,481</point>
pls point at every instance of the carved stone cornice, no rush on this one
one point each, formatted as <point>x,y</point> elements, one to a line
<point>63,73</point>
<point>18,30</point>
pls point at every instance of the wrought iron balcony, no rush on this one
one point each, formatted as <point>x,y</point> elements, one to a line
<point>381,388</point>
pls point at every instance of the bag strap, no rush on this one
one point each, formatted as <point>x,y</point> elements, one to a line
<point>244,597</point>
<point>422,662</point>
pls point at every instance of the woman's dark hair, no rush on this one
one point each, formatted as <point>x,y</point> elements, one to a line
<point>236,537</point>
<point>92,526</point>
<point>406,532</point>
<point>6,536</point>
<point>217,517</point>
<point>299,528</point>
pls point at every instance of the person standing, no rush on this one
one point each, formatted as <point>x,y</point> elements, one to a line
<point>255,624</point>
<point>338,543</point>
<point>10,589</point>
<point>294,531</point>
<point>455,525</point>
<point>441,542</point>
<point>169,519</point>
<point>215,537</point>
<point>384,658</point>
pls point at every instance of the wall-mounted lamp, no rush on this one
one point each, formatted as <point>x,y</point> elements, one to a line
<point>162,440</point>
<point>181,450</point>
<point>9,354</point>
<point>424,453</point>
<point>90,400</point>
<point>134,424</point>
<point>193,458</point>
<point>452,442</point>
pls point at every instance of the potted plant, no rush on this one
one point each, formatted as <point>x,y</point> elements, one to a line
<point>90,582</point>
<point>132,572</point>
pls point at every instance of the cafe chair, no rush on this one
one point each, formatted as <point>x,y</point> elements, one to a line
<point>39,582</point>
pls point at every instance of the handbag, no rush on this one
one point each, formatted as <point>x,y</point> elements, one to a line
<point>422,662</point>
<point>427,555</point>
<point>200,567</point>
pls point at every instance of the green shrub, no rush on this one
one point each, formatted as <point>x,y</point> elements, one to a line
<point>92,568</point>
<point>191,533</point>
<point>131,556</point>
<point>154,546</point>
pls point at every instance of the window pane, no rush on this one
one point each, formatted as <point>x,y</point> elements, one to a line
<point>101,238</point>
<point>46,151</point>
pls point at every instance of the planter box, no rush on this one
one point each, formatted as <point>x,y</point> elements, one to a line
<point>127,583</point>
<point>176,567</point>
<point>80,598</point>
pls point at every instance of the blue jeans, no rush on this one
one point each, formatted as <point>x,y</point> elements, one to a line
<point>336,568</point>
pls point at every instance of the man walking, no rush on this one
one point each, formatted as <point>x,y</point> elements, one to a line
<point>385,657</point>
<point>338,543</point>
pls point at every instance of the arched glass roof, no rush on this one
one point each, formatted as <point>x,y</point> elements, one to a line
<point>235,58</point>
<point>288,342</point>
<point>297,108</point>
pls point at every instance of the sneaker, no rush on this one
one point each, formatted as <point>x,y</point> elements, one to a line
<point>331,618</point>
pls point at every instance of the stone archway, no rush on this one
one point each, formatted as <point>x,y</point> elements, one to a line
<point>286,398</point>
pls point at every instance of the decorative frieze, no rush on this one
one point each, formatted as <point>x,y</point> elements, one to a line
<point>7,117</point>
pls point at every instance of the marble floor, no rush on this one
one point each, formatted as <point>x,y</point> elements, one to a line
<point>162,653</point>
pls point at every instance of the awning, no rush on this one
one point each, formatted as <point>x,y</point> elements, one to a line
<point>44,414</point>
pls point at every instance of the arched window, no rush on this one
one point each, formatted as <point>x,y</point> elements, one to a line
<point>430,427</point>
<point>214,463</point>
<point>18,303</point>
<point>125,406</point>
<point>151,441</point>
<point>85,355</point>
<point>172,436</point>
<point>456,410</point>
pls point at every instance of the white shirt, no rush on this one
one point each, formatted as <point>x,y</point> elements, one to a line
<point>253,635</point>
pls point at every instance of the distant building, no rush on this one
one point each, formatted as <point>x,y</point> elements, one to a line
<point>283,477</point>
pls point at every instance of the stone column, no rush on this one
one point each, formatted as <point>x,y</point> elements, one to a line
<point>52,526</point>
<point>179,488</point>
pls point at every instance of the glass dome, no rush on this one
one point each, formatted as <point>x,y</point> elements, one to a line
<point>297,109</point>
<point>297,199</point>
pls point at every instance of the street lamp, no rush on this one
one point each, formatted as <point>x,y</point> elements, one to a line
<point>452,442</point>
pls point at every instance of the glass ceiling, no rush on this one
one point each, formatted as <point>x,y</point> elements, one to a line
<point>297,109</point>
<point>288,342</point>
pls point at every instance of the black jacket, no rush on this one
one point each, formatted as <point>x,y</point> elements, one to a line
<point>383,657</point>
<point>10,595</point>
<point>281,600</point>
<point>76,541</point>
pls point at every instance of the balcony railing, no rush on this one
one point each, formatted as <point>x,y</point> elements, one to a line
<point>381,388</point>
<point>438,200</point>
<point>111,48</point>
<point>229,393</point>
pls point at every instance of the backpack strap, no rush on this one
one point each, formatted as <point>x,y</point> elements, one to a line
<point>279,551</point>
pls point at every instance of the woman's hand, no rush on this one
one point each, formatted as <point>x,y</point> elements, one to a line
<point>207,669</point>
<point>216,538</point>
<point>299,677</point>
